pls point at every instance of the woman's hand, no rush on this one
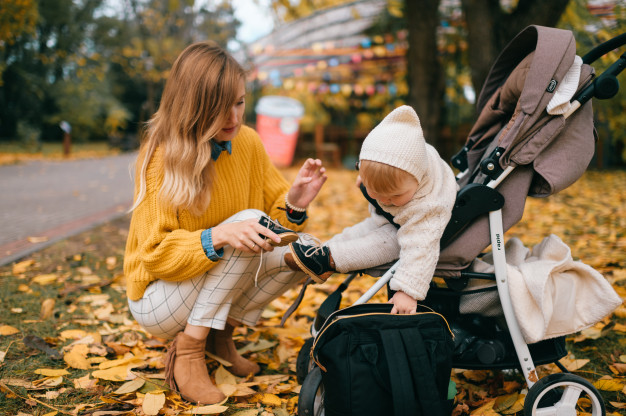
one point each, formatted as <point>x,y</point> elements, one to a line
<point>243,236</point>
<point>403,303</point>
<point>307,184</point>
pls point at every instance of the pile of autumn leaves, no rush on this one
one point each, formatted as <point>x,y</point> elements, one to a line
<point>107,354</point>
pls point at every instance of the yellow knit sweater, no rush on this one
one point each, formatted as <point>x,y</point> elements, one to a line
<point>164,243</point>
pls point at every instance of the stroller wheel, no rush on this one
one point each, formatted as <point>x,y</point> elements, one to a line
<point>303,363</point>
<point>561,394</point>
<point>311,399</point>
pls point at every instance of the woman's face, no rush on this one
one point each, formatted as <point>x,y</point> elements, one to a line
<point>235,118</point>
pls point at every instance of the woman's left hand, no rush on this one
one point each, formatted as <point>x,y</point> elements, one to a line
<point>307,184</point>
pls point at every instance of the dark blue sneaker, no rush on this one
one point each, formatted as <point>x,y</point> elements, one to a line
<point>286,235</point>
<point>315,261</point>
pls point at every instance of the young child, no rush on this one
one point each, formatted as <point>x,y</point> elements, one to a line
<point>410,181</point>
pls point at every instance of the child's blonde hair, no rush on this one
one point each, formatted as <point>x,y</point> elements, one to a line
<point>199,94</point>
<point>382,178</point>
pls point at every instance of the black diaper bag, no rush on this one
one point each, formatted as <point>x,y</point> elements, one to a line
<point>375,363</point>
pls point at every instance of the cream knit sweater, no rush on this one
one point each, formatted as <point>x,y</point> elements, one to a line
<point>164,243</point>
<point>422,222</point>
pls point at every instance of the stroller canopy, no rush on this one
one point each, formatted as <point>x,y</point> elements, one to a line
<point>549,152</point>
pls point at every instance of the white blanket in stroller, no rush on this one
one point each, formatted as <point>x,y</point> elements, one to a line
<point>552,295</point>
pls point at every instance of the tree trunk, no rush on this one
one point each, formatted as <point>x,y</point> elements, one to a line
<point>425,75</point>
<point>490,29</point>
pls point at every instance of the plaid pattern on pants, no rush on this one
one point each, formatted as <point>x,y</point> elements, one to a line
<point>226,290</point>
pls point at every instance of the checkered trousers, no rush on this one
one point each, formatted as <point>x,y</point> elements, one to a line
<point>226,290</point>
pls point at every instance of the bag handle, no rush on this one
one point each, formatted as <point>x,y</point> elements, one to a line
<point>406,356</point>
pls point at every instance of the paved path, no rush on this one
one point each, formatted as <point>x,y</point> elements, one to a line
<point>44,201</point>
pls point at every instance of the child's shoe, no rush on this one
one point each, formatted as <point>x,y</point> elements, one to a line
<point>315,261</point>
<point>286,235</point>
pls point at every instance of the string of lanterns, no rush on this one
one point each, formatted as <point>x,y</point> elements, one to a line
<point>374,66</point>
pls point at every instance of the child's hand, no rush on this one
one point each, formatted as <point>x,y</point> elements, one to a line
<point>403,303</point>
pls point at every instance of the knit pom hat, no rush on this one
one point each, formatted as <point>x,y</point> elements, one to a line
<point>398,141</point>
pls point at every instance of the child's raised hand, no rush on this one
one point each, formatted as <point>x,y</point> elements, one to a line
<point>403,303</point>
<point>308,183</point>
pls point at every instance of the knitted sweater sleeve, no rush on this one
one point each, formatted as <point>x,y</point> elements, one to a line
<point>419,250</point>
<point>422,223</point>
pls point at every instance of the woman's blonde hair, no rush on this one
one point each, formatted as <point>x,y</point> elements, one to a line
<point>199,94</point>
<point>382,178</point>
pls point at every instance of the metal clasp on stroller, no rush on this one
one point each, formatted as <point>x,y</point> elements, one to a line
<point>514,150</point>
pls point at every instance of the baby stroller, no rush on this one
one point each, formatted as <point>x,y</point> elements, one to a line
<point>514,150</point>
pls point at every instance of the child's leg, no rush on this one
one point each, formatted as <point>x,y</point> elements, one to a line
<point>379,246</point>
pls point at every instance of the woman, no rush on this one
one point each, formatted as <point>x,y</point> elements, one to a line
<point>200,257</point>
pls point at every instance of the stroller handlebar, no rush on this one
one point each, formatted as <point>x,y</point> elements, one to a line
<point>604,48</point>
<point>606,85</point>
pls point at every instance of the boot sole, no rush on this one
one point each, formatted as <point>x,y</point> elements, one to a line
<point>316,277</point>
<point>285,239</point>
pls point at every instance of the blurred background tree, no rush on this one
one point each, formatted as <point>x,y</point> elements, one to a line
<point>98,67</point>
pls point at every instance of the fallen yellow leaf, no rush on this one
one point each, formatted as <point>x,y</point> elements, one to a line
<point>72,334</point>
<point>243,391</point>
<point>8,330</point>
<point>153,403</point>
<point>476,375</point>
<point>77,357</point>
<point>223,376</point>
<point>47,309</point>
<point>130,386</point>
<point>518,406</point>
<point>214,409</point>
<point>21,267</point>
<point>573,364</point>
<point>485,410</point>
<point>85,382</point>
<point>267,399</point>
<point>119,373</point>
<point>44,279</point>
<point>49,382</point>
<point>135,361</point>
<point>608,385</point>
<point>51,372</point>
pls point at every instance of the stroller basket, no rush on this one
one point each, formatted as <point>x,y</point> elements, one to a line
<point>482,341</point>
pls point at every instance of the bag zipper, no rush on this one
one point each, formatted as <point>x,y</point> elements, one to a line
<point>314,358</point>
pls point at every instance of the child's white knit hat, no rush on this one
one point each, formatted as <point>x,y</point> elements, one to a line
<point>398,141</point>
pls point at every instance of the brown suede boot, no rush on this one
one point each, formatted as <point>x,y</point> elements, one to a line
<point>220,343</point>
<point>186,371</point>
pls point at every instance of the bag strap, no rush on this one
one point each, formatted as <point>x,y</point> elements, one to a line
<point>425,378</point>
<point>402,389</point>
<point>407,358</point>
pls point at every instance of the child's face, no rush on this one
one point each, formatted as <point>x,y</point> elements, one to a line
<point>406,189</point>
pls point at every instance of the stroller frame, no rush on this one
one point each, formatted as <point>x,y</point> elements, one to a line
<point>567,387</point>
<point>499,261</point>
